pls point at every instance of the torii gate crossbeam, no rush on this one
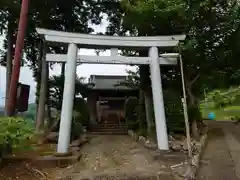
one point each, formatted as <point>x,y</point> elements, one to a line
<point>62,58</point>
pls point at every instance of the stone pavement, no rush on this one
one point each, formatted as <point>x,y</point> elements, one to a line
<point>221,160</point>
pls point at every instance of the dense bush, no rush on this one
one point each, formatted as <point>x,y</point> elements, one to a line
<point>15,133</point>
<point>221,100</point>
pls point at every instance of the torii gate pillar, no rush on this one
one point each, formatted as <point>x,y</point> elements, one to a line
<point>159,112</point>
<point>68,97</point>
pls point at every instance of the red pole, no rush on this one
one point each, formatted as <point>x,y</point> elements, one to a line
<point>17,58</point>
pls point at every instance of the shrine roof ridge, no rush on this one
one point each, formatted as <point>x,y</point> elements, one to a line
<point>109,76</point>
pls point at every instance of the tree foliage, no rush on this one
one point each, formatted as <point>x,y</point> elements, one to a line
<point>210,49</point>
<point>221,100</point>
<point>15,134</point>
<point>172,102</point>
<point>56,83</point>
<point>73,15</point>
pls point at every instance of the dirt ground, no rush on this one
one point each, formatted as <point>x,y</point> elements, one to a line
<point>26,170</point>
<point>118,156</point>
<point>115,156</point>
<point>104,155</point>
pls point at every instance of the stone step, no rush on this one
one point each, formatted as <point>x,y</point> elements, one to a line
<point>109,127</point>
<point>124,127</point>
<point>106,130</point>
<point>110,133</point>
<point>111,124</point>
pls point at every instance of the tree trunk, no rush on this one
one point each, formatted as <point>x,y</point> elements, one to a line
<point>194,128</point>
<point>61,88</point>
<point>49,115</point>
<point>37,75</point>
<point>43,91</point>
<point>145,84</point>
<point>192,106</point>
<point>9,63</point>
<point>63,69</point>
<point>141,111</point>
<point>38,81</point>
<point>149,111</point>
<point>92,108</point>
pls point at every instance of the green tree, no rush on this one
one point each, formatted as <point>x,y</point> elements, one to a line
<point>73,15</point>
<point>208,53</point>
<point>173,106</point>
<point>81,112</point>
<point>55,85</point>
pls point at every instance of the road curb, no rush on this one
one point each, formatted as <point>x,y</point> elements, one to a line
<point>195,160</point>
<point>188,170</point>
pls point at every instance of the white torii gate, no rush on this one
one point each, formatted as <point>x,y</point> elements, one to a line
<point>75,40</point>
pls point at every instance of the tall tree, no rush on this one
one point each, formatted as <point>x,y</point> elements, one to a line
<point>8,25</point>
<point>73,16</point>
<point>211,27</point>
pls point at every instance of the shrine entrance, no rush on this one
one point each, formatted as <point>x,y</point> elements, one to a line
<point>111,111</point>
<point>114,43</point>
<point>106,98</point>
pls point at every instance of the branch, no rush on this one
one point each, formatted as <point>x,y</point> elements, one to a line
<point>36,170</point>
<point>193,81</point>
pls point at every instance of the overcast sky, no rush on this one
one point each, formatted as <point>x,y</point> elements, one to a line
<point>84,70</point>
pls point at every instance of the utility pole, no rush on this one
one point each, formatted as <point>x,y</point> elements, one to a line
<point>11,105</point>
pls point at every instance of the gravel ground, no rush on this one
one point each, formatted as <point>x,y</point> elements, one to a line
<point>117,155</point>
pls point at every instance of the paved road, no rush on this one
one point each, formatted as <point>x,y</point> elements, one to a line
<point>220,160</point>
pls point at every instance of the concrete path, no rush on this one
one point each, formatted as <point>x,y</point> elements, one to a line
<point>220,160</point>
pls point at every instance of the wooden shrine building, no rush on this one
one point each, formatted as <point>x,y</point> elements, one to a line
<point>106,98</point>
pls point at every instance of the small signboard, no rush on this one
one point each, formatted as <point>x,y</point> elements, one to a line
<point>22,97</point>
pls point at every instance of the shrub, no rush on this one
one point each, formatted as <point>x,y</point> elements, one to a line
<point>221,100</point>
<point>82,115</point>
<point>174,111</point>
<point>15,133</point>
<point>131,113</point>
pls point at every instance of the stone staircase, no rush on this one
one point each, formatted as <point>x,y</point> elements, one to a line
<point>109,129</point>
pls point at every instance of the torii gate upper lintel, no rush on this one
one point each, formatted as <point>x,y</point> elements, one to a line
<point>102,41</point>
<point>112,42</point>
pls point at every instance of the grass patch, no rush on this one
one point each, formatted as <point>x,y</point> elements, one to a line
<point>224,113</point>
<point>228,112</point>
<point>232,108</point>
